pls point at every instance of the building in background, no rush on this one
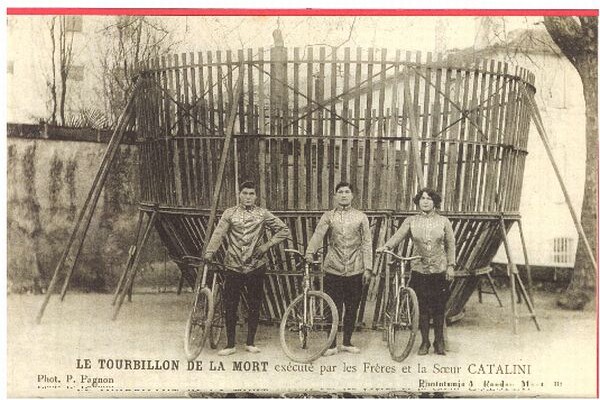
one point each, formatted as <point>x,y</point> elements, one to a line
<point>550,235</point>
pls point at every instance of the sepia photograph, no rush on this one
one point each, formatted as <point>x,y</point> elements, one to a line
<point>301,203</point>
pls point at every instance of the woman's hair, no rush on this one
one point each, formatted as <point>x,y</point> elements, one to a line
<point>437,199</point>
<point>247,185</point>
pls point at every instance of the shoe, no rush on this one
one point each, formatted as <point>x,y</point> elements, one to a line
<point>227,351</point>
<point>330,352</point>
<point>350,349</point>
<point>424,349</point>
<point>252,349</point>
<point>439,348</point>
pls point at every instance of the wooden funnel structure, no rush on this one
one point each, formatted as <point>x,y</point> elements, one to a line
<point>307,118</point>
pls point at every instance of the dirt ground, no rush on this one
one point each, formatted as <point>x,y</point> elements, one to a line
<point>484,359</point>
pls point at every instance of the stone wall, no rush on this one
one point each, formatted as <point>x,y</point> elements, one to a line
<point>48,182</point>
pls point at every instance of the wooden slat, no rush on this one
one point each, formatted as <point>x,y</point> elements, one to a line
<point>296,83</point>
<point>353,157</point>
<point>470,135</point>
<point>250,93</point>
<point>333,76</point>
<point>322,184</point>
<point>344,151</point>
<point>303,199</point>
<point>211,96</point>
<point>357,81</point>
<point>295,188</point>
<point>492,129</point>
<point>426,124</point>
<point>481,152</point>
<point>220,96</point>
<point>202,103</point>
<point>452,166</point>
<point>443,147</point>
<point>166,100</point>
<point>436,126</point>
<point>195,103</point>
<point>262,151</point>
<point>187,151</point>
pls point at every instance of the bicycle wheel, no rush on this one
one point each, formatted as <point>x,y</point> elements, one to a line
<point>304,340</point>
<point>403,324</point>
<point>198,324</point>
<point>218,319</point>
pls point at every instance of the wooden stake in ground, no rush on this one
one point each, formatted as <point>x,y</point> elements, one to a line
<point>537,119</point>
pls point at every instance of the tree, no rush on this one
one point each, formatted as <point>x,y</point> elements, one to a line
<point>52,81</point>
<point>130,40</point>
<point>577,37</point>
<point>65,58</point>
<point>61,41</point>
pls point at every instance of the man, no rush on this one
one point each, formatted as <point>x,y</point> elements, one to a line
<point>245,259</point>
<point>348,264</point>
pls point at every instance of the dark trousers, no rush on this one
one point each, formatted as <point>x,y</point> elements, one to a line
<point>234,282</point>
<point>432,292</point>
<point>345,291</point>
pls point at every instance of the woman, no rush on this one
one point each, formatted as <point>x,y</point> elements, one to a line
<point>433,240</point>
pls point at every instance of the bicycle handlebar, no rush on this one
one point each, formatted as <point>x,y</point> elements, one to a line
<point>293,251</point>
<point>298,253</point>
<point>396,256</point>
<point>200,261</point>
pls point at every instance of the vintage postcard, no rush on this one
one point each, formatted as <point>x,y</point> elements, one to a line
<point>301,203</point>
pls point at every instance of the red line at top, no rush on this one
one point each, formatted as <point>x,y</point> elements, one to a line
<point>299,12</point>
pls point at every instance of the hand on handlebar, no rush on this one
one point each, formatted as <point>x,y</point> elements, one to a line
<point>382,249</point>
<point>450,273</point>
<point>309,258</point>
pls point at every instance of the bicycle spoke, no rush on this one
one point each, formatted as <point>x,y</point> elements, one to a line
<point>218,320</point>
<point>401,331</point>
<point>304,339</point>
<point>198,324</point>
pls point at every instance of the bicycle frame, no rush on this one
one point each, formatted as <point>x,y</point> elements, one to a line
<point>399,280</point>
<point>307,317</point>
<point>400,313</point>
<point>313,317</point>
<point>306,286</point>
<point>202,282</point>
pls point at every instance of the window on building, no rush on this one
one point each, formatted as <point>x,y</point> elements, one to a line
<point>10,67</point>
<point>74,23</point>
<point>563,251</point>
<point>76,73</point>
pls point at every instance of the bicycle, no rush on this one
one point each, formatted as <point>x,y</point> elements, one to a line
<point>401,317</point>
<point>309,324</point>
<point>207,317</point>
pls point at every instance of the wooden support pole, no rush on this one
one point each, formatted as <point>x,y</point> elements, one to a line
<point>134,266</point>
<point>414,133</point>
<point>526,258</point>
<point>86,213</point>
<point>223,161</point>
<point>516,283</point>
<point>537,119</point>
<point>126,269</point>
<point>511,271</point>
<point>132,250</point>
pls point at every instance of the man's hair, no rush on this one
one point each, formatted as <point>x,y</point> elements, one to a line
<point>344,184</point>
<point>247,185</point>
<point>437,199</point>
